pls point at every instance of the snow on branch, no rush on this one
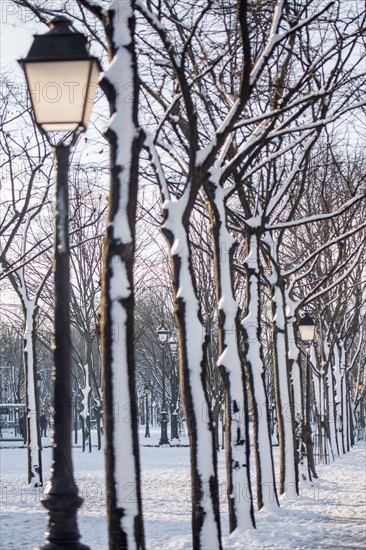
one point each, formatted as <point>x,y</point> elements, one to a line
<point>155,160</point>
<point>322,217</point>
<point>314,296</point>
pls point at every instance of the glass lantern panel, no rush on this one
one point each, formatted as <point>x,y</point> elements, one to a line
<point>58,91</point>
<point>307,332</point>
<point>92,88</point>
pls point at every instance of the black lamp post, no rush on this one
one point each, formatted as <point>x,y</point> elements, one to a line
<point>307,331</point>
<point>147,428</point>
<point>38,403</point>
<point>163,332</point>
<point>75,396</point>
<point>62,78</point>
<point>173,344</point>
<point>38,418</point>
<point>16,420</point>
<point>360,388</point>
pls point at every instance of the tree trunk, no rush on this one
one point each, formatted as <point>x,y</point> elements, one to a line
<point>88,427</point>
<point>206,530</point>
<point>266,482</point>
<point>339,401</point>
<point>99,430</point>
<point>331,414</point>
<point>239,492</point>
<point>83,438</point>
<point>124,505</point>
<point>297,393</point>
<point>289,477</point>
<point>34,447</point>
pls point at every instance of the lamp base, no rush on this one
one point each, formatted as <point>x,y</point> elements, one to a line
<point>62,527</point>
<point>57,546</point>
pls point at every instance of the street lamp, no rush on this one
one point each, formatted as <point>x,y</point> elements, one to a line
<point>147,393</point>
<point>163,333</point>
<point>16,420</point>
<point>38,418</point>
<point>62,78</point>
<point>361,412</point>
<point>173,344</point>
<point>307,329</point>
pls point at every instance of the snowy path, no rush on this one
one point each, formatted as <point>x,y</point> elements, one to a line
<point>330,514</point>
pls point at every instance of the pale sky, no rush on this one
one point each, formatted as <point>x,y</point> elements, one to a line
<point>16,38</point>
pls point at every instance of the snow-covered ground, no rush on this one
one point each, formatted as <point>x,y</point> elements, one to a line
<point>330,514</point>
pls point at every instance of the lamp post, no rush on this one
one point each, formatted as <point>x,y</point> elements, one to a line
<point>61,77</point>
<point>173,345</point>
<point>147,428</point>
<point>38,401</point>
<point>38,419</point>
<point>361,413</point>
<point>307,331</point>
<point>163,333</point>
<point>16,420</point>
<point>75,406</point>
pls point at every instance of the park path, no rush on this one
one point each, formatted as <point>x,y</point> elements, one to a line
<point>330,514</point>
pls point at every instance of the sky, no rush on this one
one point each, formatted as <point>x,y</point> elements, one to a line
<point>16,35</point>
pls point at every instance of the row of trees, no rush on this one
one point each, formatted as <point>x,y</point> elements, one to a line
<point>243,116</point>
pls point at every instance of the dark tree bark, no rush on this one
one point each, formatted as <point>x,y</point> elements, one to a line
<point>125,521</point>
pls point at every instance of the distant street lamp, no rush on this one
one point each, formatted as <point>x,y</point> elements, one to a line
<point>173,344</point>
<point>38,417</point>
<point>62,78</point>
<point>75,398</point>
<point>307,329</point>
<point>361,412</point>
<point>147,428</point>
<point>163,334</point>
<point>16,421</point>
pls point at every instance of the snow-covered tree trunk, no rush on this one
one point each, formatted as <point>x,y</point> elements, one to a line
<point>289,478</point>
<point>297,393</point>
<point>31,418</point>
<point>206,530</point>
<point>85,405</point>
<point>346,417</point>
<point>344,398</point>
<point>240,501</point>
<point>34,446</point>
<point>251,326</point>
<point>330,404</point>
<point>319,400</point>
<point>339,389</point>
<point>124,505</point>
